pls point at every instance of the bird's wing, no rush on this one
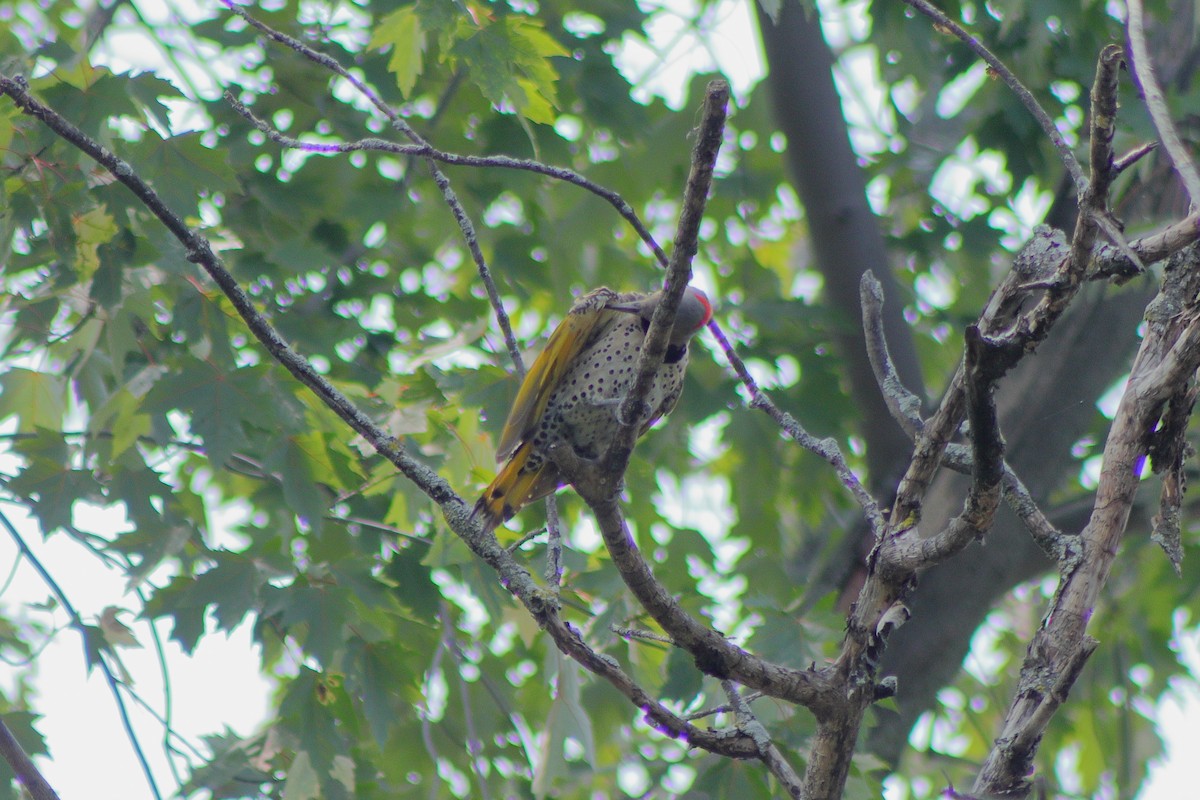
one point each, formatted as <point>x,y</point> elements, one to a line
<point>567,341</point>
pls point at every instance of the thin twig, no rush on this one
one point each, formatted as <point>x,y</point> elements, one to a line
<point>474,745</point>
<point>768,752</point>
<point>645,636</point>
<point>825,448</point>
<point>1143,74</point>
<point>427,150</point>
<point>554,545</point>
<point>750,697</point>
<point>1005,74</point>
<point>164,672</point>
<point>79,626</point>
<point>1135,155</point>
<point>439,178</point>
<point>1110,262</point>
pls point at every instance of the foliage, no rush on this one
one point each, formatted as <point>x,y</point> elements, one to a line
<point>407,670</point>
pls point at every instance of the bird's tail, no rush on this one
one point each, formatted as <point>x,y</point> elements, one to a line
<point>510,490</point>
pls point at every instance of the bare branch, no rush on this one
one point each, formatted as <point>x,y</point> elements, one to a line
<point>1035,269</point>
<point>901,555</point>
<point>1143,74</point>
<point>679,270</point>
<point>1005,74</point>
<point>554,546</point>
<point>746,721</point>
<point>27,774</point>
<point>645,636</point>
<point>1133,156</point>
<point>825,448</point>
<point>1110,262</point>
<point>1054,543</point>
<point>723,709</point>
<point>1164,367</point>
<point>713,653</point>
<point>427,150</point>
<point>904,405</point>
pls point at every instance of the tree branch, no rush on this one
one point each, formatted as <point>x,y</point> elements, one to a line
<point>1005,74</point>
<point>825,448</point>
<point>709,134</point>
<point>1143,75</point>
<point>1166,362</point>
<point>904,405</point>
<point>77,623</point>
<point>28,775</point>
<point>746,721</point>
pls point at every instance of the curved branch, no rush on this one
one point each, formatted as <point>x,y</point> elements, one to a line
<point>904,405</point>
<point>1005,74</point>
<point>1143,73</point>
<point>439,178</point>
<point>427,150</point>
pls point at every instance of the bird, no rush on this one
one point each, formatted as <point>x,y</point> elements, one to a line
<point>576,384</point>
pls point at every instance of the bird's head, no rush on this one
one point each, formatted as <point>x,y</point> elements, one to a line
<point>693,313</point>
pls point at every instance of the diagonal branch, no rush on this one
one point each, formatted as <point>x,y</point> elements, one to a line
<point>1005,74</point>
<point>825,448</point>
<point>1164,366</point>
<point>26,772</point>
<point>1143,74</point>
<point>79,626</point>
<point>679,269</point>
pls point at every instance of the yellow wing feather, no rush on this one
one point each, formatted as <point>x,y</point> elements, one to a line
<point>516,485</point>
<point>568,339</point>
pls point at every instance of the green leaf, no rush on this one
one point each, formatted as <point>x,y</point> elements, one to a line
<point>568,717</point>
<point>148,90</point>
<point>509,62</point>
<point>230,588</point>
<point>302,781</point>
<point>297,459</point>
<point>37,399</point>
<point>181,169</point>
<point>401,30</point>
<point>93,229</point>
<point>684,680</point>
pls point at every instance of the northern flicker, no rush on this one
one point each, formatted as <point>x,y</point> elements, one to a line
<point>575,386</point>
